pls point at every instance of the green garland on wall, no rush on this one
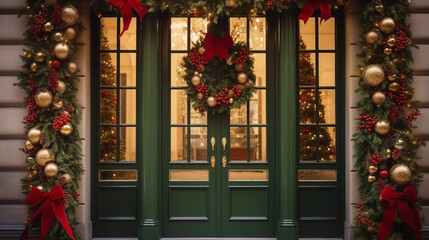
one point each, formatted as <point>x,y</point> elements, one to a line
<point>53,141</point>
<point>385,147</point>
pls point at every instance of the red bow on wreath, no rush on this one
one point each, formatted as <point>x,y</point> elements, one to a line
<point>405,202</point>
<point>127,13</point>
<point>310,6</point>
<point>48,204</point>
<point>219,45</point>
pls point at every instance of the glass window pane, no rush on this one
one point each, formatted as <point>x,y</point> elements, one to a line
<point>238,115</point>
<point>178,148</point>
<point>177,71</point>
<point>260,69</point>
<point>248,175</point>
<point>327,34</point>
<point>198,29</point>
<point>258,144</point>
<point>258,107</point>
<point>127,136</point>
<point>108,33</point>
<point>307,74</point>
<point>257,27</point>
<point>317,175</point>
<point>307,33</point>
<point>128,69</point>
<point>189,175</point>
<point>327,144</point>
<point>327,106</point>
<point>197,117</point>
<point>307,106</point>
<point>327,69</point>
<point>129,38</point>
<point>117,175</point>
<point>179,108</point>
<point>199,144</point>
<point>107,144</point>
<point>307,143</point>
<point>238,29</point>
<point>108,106</point>
<point>127,106</point>
<point>238,146</point>
<point>108,69</point>
<point>179,36</point>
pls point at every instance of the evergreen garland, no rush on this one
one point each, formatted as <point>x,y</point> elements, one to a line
<point>384,136</point>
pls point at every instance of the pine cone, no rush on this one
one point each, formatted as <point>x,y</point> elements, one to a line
<point>396,154</point>
<point>43,139</point>
<point>387,140</point>
<point>66,200</point>
<point>69,108</point>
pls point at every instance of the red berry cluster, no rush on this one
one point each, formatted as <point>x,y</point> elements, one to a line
<point>244,54</point>
<point>53,80</point>
<point>412,116</point>
<point>401,38</point>
<point>368,222</point>
<point>277,3</point>
<point>201,109</point>
<point>223,97</point>
<point>360,206</point>
<point>197,59</point>
<point>31,103</point>
<point>60,121</point>
<point>57,14</point>
<point>202,89</point>
<point>32,83</point>
<point>196,13</point>
<point>400,97</point>
<point>39,21</point>
<point>367,122</point>
<point>393,113</point>
<point>104,92</point>
<point>376,159</point>
<point>31,117</point>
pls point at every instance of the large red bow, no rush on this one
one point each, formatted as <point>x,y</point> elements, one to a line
<point>48,204</point>
<point>405,202</point>
<point>219,45</point>
<point>310,6</point>
<point>127,13</point>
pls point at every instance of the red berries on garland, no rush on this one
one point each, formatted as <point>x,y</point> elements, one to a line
<point>60,121</point>
<point>55,64</point>
<point>244,54</point>
<point>367,123</point>
<point>202,89</point>
<point>375,159</point>
<point>39,21</point>
<point>197,59</point>
<point>412,116</point>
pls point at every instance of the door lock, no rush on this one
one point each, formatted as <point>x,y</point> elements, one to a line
<point>224,154</point>
<point>213,159</point>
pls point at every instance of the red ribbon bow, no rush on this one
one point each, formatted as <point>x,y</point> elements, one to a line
<point>310,6</point>
<point>405,202</point>
<point>219,45</point>
<point>127,13</point>
<point>48,204</point>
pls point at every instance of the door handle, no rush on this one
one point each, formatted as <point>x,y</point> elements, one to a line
<point>213,159</point>
<point>224,153</point>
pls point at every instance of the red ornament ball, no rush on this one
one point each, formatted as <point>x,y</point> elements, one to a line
<point>383,174</point>
<point>56,64</point>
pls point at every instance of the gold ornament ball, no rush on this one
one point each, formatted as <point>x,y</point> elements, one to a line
<point>399,144</point>
<point>388,153</point>
<point>391,42</point>
<point>373,75</point>
<point>211,102</point>
<point>231,93</point>
<point>231,100</point>
<point>62,50</point>
<point>58,103</point>
<point>33,135</point>
<point>200,96</point>
<point>400,174</point>
<point>371,178</point>
<point>387,25</point>
<point>61,87</point>
<point>39,57</point>
<point>201,68</point>
<point>72,66</point>
<point>379,8</point>
<point>239,67</point>
<point>391,77</point>
<point>50,170</point>
<point>371,37</point>
<point>382,127</point>
<point>69,34</point>
<point>372,169</point>
<point>201,50</point>
<point>48,27</point>
<point>51,2</point>
<point>43,156</point>
<point>70,15</point>
<point>28,145</point>
<point>58,37</point>
<point>394,87</point>
<point>40,187</point>
<point>43,98</point>
<point>240,86</point>
<point>231,3</point>
<point>66,130</point>
<point>378,98</point>
<point>387,51</point>
<point>33,67</point>
<point>242,78</point>
<point>67,178</point>
<point>196,80</point>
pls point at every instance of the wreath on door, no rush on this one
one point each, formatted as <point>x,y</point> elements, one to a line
<point>233,66</point>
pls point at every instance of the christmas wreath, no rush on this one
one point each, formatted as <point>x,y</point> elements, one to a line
<point>236,81</point>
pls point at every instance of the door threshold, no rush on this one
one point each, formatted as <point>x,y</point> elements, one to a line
<point>221,238</point>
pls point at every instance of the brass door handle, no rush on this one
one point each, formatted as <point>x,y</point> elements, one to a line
<point>224,153</point>
<point>213,159</point>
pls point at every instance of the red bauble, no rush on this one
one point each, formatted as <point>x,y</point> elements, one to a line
<point>383,174</point>
<point>56,64</point>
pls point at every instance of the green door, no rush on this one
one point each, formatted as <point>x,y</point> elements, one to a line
<point>217,170</point>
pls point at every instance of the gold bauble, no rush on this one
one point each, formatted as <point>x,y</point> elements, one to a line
<point>391,42</point>
<point>400,174</point>
<point>28,145</point>
<point>69,34</point>
<point>201,68</point>
<point>387,51</point>
<point>72,66</point>
<point>67,178</point>
<point>40,187</point>
<point>201,50</point>
<point>370,229</point>
<point>371,37</point>
<point>48,26</point>
<point>200,96</point>
<point>50,170</point>
<point>70,15</point>
<point>43,98</point>
<point>33,135</point>
<point>27,54</point>
<point>382,127</point>
<point>196,80</point>
<point>231,3</point>
<point>66,129</point>
<point>231,93</point>
<point>371,178</point>
<point>61,87</point>
<point>58,103</point>
<point>33,67</point>
<point>51,2</point>
<point>58,37</point>
<point>388,153</point>
<point>391,77</point>
<point>62,50</point>
<point>240,86</point>
<point>231,100</point>
<point>43,156</point>
<point>242,78</point>
<point>372,169</point>
<point>394,87</point>
<point>373,75</point>
<point>378,98</point>
<point>239,67</point>
<point>399,144</point>
<point>379,8</point>
<point>211,102</point>
<point>39,57</point>
<point>387,25</point>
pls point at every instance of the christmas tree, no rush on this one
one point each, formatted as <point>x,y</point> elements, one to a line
<point>307,103</point>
